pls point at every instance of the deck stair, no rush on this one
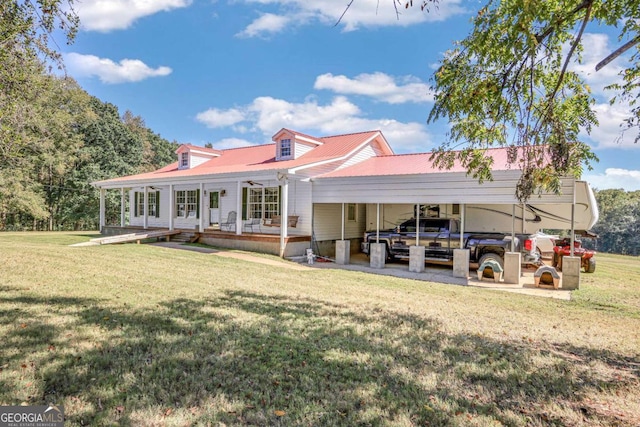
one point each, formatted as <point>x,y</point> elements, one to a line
<point>135,237</point>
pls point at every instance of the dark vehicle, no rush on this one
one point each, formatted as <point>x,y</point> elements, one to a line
<point>563,248</point>
<point>441,236</point>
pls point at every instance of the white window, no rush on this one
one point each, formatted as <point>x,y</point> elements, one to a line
<point>139,204</point>
<point>152,202</point>
<point>263,202</point>
<point>184,160</point>
<point>285,148</point>
<point>352,212</point>
<point>187,204</point>
<point>181,206</point>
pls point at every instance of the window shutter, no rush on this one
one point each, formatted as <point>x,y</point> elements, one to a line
<point>244,203</point>
<point>157,204</point>
<point>135,203</point>
<point>198,203</point>
<point>280,200</point>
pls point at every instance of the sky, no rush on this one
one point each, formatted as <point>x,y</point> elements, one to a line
<point>234,72</point>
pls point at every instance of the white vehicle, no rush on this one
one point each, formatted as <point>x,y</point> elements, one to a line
<point>545,244</point>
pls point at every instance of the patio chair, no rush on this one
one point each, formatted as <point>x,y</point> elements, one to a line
<point>251,223</point>
<point>230,223</point>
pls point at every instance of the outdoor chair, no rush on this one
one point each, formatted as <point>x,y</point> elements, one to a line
<point>251,223</point>
<point>230,223</point>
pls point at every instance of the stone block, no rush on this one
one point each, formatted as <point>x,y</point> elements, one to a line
<point>416,259</point>
<point>343,252</point>
<point>461,263</point>
<point>512,267</point>
<point>377,255</point>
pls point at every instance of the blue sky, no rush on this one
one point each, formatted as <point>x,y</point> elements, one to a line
<point>234,72</point>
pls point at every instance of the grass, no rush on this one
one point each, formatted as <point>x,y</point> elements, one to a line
<point>143,335</point>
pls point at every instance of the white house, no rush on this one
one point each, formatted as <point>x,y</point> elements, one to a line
<point>328,189</point>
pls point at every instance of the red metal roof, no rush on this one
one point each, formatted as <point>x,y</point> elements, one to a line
<point>261,158</point>
<point>410,164</point>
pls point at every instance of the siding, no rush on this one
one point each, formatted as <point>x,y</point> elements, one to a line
<point>327,222</point>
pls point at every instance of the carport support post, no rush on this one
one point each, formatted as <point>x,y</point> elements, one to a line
<point>571,272</point>
<point>571,264</point>
<point>377,251</point>
<point>416,259</point>
<point>512,267</point>
<point>343,247</point>
<point>461,256</point>
<point>513,259</point>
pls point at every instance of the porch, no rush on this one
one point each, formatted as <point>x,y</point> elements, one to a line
<point>294,245</point>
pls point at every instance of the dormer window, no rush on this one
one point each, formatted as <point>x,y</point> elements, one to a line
<point>184,160</point>
<point>285,148</point>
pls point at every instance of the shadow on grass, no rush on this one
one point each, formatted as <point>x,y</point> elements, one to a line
<point>252,359</point>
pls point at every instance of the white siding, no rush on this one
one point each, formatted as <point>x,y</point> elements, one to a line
<point>363,154</point>
<point>327,222</point>
<point>300,204</point>
<point>197,160</point>
<point>301,149</point>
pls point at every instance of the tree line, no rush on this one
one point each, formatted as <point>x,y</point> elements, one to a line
<point>58,139</point>
<point>618,227</point>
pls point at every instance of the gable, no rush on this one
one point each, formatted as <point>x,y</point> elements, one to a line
<point>190,156</point>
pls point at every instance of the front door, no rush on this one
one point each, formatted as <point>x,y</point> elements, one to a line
<point>214,207</point>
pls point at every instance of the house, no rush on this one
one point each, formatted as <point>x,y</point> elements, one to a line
<point>329,189</point>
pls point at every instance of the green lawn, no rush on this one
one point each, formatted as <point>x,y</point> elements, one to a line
<point>143,335</point>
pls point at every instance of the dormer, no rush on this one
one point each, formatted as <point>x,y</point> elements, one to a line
<point>292,145</point>
<point>190,156</point>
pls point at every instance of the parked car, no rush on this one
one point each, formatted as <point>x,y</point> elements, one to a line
<point>441,236</point>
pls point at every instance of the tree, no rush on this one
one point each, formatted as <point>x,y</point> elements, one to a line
<point>618,227</point>
<point>509,84</point>
<point>25,29</point>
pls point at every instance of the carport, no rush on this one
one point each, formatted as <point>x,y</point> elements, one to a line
<point>412,179</point>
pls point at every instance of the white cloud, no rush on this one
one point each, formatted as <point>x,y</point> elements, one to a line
<point>379,86</point>
<point>232,143</point>
<point>625,179</point>
<point>107,15</point>
<point>267,115</point>
<point>265,24</point>
<point>127,70</point>
<point>215,118</point>
<point>361,13</point>
<point>609,132</point>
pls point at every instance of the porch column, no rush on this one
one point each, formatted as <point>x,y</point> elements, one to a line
<point>377,250</point>
<point>461,256</point>
<point>342,224</point>
<point>284,227</point>
<point>571,264</point>
<point>171,207</point>
<point>146,208</point>
<point>239,208</point>
<point>513,259</point>
<point>343,247</point>
<point>102,209</point>
<point>122,207</point>
<point>202,199</point>
<point>417,252</point>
